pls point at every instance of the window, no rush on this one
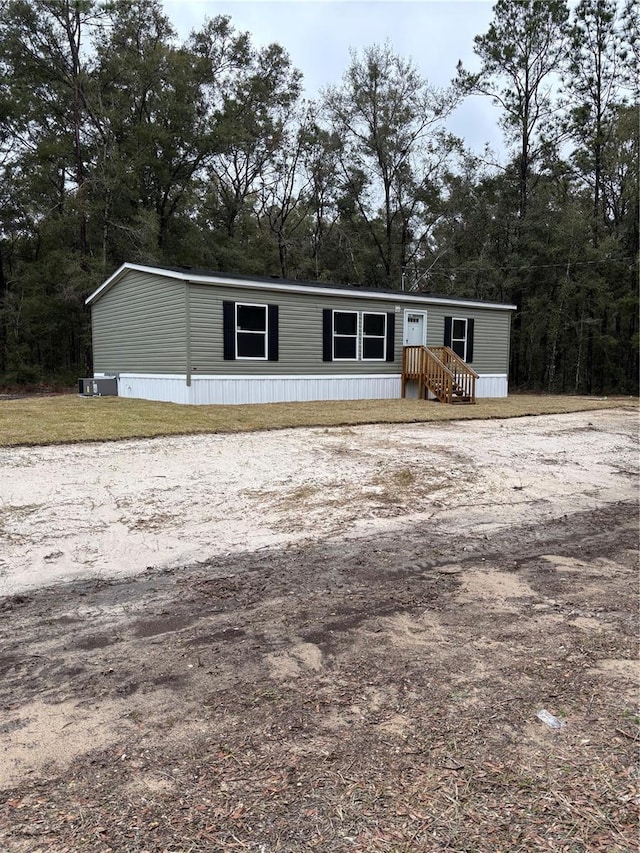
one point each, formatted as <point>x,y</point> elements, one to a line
<point>374,337</point>
<point>459,337</point>
<point>249,331</point>
<point>458,334</point>
<point>358,335</point>
<point>345,335</point>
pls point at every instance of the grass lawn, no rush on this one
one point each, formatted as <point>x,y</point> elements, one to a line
<point>70,418</point>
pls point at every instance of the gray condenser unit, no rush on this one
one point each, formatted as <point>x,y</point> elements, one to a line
<point>101,386</point>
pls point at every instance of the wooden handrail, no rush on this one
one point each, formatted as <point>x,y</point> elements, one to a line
<point>453,360</point>
<point>439,370</point>
<point>464,376</point>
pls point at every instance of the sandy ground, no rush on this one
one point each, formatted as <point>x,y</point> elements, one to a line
<point>323,640</point>
<point>115,510</point>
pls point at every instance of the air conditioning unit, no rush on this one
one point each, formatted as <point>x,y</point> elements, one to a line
<point>99,386</point>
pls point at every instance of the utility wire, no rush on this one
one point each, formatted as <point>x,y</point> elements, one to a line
<point>524,265</point>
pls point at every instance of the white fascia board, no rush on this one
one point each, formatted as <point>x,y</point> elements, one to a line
<point>117,275</point>
<point>290,287</point>
<point>105,285</point>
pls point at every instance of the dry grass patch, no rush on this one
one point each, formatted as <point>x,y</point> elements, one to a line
<point>71,418</point>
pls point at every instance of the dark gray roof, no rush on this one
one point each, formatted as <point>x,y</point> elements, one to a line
<point>270,279</point>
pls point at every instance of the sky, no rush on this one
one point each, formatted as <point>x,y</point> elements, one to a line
<point>318,35</point>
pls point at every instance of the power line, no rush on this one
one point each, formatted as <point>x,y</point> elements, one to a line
<point>528,266</point>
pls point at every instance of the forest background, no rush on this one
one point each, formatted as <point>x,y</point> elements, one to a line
<point>118,142</point>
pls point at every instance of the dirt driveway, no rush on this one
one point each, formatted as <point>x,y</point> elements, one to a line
<point>323,640</point>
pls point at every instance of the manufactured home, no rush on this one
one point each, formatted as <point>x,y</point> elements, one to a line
<point>188,336</point>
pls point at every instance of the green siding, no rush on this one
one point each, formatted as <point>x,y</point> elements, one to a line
<point>490,338</point>
<point>139,326</point>
<point>301,332</point>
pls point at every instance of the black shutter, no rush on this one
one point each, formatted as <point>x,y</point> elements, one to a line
<point>447,331</point>
<point>272,344</point>
<point>327,334</point>
<point>469,340</point>
<point>391,335</point>
<point>229,331</point>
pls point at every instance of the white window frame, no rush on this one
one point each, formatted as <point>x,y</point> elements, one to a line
<point>334,335</point>
<point>265,333</point>
<point>464,339</point>
<point>383,336</point>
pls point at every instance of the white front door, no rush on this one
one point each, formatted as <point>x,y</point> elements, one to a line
<point>415,328</point>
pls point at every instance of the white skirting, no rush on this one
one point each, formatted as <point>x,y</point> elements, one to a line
<point>492,385</point>
<point>231,390</point>
<point>220,390</point>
